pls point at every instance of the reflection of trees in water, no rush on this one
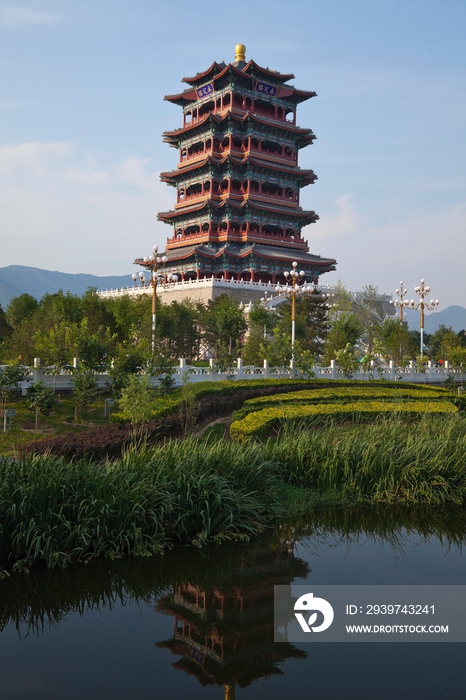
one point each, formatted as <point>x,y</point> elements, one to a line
<point>225,634</point>
<point>35,603</point>
<point>384,526</point>
<point>39,601</point>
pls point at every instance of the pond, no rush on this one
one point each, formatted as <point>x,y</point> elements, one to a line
<point>199,624</point>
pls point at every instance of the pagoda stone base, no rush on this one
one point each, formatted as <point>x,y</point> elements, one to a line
<point>202,290</point>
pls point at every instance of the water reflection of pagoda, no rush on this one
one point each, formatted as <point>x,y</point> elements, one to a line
<point>225,634</point>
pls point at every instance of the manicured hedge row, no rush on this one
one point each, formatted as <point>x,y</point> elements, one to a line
<point>171,403</point>
<point>369,391</point>
<point>260,422</point>
<point>341,394</point>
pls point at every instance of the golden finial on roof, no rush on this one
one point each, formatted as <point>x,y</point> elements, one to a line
<point>240,52</point>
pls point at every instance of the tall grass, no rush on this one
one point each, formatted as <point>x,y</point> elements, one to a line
<point>196,492</point>
<point>389,459</point>
<point>57,512</point>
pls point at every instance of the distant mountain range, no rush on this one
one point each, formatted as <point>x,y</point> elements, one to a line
<point>18,279</point>
<point>454,316</point>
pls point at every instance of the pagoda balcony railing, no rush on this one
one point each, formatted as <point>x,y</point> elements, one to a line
<point>238,236</point>
<point>237,195</point>
<point>242,151</point>
<point>236,109</point>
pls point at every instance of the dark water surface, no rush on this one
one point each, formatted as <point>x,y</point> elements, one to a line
<point>200,624</point>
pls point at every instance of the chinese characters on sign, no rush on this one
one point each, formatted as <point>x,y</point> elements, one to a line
<point>204,91</point>
<point>266,89</point>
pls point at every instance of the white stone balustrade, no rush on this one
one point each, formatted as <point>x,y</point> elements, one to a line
<point>432,375</point>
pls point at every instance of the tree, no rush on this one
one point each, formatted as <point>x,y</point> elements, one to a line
<point>315,309</point>
<point>10,377</point>
<point>178,329</point>
<point>442,342</point>
<point>5,328</point>
<point>369,311</point>
<point>127,362</point>
<point>55,347</point>
<point>253,350</point>
<point>346,329</point>
<point>160,365</point>
<point>347,361</point>
<point>397,343</point>
<point>223,325</point>
<point>311,321</point>
<point>93,349</point>
<point>278,350</point>
<point>462,338</point>
<point>261,321</point>
<point>20,308</point>
<point>342,300</point>
<point>39,400</point>
<point>85,389</point>
<point>137,401</point>
<point>457,356</point>
<point>97,313</point>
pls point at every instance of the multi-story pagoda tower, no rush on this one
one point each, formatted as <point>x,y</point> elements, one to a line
<point>237,213</point>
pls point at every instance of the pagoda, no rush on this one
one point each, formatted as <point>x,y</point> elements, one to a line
<point>237,214</point>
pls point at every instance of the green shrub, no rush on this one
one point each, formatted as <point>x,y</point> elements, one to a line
<point>341,394</point>
<point>259,422</point>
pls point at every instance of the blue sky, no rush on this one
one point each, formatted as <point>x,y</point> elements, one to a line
<point>82,113</point>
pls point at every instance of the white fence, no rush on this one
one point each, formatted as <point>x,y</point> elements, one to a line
<point>433,374</point>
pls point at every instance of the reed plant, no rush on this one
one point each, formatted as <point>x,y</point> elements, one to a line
<point>195,491</point>
<point>56,511</point>
<point>389,459</point>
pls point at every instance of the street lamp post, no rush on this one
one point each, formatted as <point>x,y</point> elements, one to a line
<point>265,300</point>
<point>422,290</point>
<point>153,262</point>
<point>400,303</point>
<point>295,286</point>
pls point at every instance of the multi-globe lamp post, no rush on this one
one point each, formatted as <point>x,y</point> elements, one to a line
<point>400,303</point>
<point>422,290</point>
<point>295,286</point>
<point>153,263</point>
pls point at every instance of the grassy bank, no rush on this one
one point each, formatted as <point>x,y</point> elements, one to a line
<point>196,491</point>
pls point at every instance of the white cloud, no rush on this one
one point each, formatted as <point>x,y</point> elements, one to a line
<point>430,246</point>
<point>18,16</point>
<point>34,156</point>
<point>133,171</point>
<point>345,221</point>
<point>61,209</point>
<point>430,238</point>
<point>86,177</point>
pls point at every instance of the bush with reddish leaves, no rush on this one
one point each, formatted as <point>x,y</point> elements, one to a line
<point>99,442</point>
